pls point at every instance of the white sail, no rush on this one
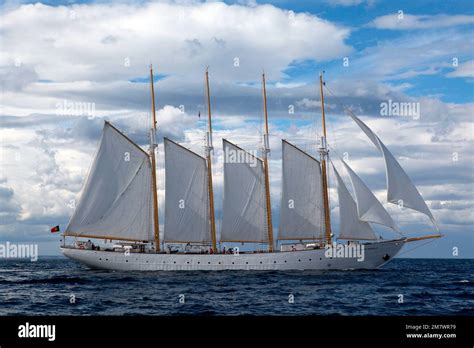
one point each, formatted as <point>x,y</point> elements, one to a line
<point>116,201</point>
<point>244,208</point>
<point>187,196</point>
<point>301,212</point>
<point>351,227</point>
<point>400,189</point>
<point>369,208</point>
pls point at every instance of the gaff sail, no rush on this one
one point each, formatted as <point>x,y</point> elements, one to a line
<point>244,207</point>
<point>301,211</point>
<point>187,198</point>
<point>116,201</point>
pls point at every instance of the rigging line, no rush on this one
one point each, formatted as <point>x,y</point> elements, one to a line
<point>419,246</point>
<point>345,108</point>
<point>330,124</point>
<point>333,137</point>
<point>340,102</point>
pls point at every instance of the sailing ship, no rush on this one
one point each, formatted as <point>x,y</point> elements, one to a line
<point>119,206</point>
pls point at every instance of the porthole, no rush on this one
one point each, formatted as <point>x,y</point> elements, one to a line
<point>208,263</point>
<point>260,261</point>
<point>299,260</point>
<point>233,262</point>
<point>187,262</point>
<point>199,262</point>
<point>285,261</point>
<point>247,263</point>
<point>174,262</point>
<point>219,263</point>
<point>274,262</point>
<point>100,258</point>
<point>309,260</point>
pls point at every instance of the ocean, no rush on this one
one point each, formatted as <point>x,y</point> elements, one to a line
<point>59,286</point>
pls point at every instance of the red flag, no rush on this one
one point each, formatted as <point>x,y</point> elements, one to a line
<point>55,229</point>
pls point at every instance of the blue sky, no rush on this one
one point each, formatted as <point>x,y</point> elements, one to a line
<point>99,52</point>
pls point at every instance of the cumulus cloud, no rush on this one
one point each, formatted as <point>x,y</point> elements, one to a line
<point>95,42</point>
<point>10,208</point>
<point>99,54</point>
<point>96,53</point>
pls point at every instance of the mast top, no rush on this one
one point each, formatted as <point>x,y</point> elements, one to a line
<point>265,113</point>
<point>323,114</point>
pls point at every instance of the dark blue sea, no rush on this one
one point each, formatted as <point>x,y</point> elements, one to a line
<point>58,286</point>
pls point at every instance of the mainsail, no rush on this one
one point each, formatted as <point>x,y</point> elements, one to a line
<point>187,198</point>
<point>368,207</point>
<point>400,189</point>
<point>351,227</point>
<point>301,212</point>
<point>116,201</point>
<point>244,207</point>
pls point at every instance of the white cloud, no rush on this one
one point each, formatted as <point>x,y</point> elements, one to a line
<point>465,69</point>
<point>404,21</point>
<point>347,3</point>
<point>408,56</point>
<point>89,52</point>
<point>93,41</point>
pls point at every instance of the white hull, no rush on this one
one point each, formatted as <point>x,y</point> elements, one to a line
<point>375,256</point>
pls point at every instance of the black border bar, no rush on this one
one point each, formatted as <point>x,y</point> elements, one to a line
<point>219,330</point>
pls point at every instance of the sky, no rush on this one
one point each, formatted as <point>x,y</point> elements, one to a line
<point>67,66</point>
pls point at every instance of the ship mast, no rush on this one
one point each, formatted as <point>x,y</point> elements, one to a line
<point>209,149</point>
<point>324,153</point>
<point>266,151</point>
<point>153,145</point>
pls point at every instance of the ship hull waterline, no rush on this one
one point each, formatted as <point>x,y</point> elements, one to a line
<point>375,255</point>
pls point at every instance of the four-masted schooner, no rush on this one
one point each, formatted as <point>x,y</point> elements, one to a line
<point>119,205</point>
